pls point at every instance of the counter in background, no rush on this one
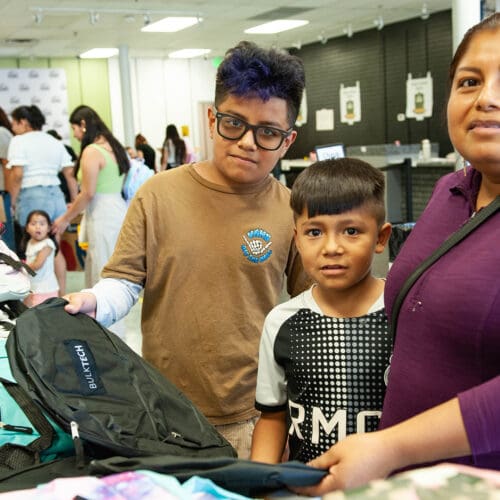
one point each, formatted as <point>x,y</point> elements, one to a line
<point>290,169</point>
<point>299,163</point>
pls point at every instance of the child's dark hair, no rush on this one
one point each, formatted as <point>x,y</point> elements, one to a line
<point>251,71</point>
<point>26,237</point>
<point>336,186</point>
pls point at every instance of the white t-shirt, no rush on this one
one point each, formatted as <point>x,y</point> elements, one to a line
<point>41,156</point>
<point>171,151</point>
<point>5,137</point>
<point>45,280</point>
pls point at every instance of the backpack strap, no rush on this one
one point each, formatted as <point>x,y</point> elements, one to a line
<point>14,456</point>
<point>450,242</point>
<point>16,264</point>
<point>8,327</point>
<point>13,308</point>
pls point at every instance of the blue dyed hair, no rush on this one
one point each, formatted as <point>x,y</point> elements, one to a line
<point>248,70</point>
<point>332,187</point>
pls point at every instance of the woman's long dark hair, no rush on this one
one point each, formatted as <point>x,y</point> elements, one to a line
<point>95,127</point>
<point>180,145</point>
<point>4,121</point>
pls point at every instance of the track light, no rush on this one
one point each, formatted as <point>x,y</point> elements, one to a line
<point>297,45</point>
<point>425,12</point>
<point>379,22</point>
<point>93,17</point>
<point>348,31</point>
<point>322,38</point>
<point>38,16</point>
<point>130,15</point>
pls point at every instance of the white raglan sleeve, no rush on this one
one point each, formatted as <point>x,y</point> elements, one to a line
<point>115,297</point>
<point>271,394</point>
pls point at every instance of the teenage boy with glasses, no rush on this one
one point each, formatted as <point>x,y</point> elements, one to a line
<point>234,128</point>
<point>211,243</point>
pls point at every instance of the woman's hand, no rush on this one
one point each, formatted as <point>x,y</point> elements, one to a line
<point>60,225</point>
<point>352,462</point>
<point>434,435</point>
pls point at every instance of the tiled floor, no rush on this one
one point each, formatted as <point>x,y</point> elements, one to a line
<point>75,282</point>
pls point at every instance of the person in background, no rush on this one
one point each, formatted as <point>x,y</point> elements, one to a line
<point>340,225</point>
<point>132,153</point>
<point>69,149</point>
<point>14,287</point>
<point>174,149</point>
<point>442,397</point>
<point>36,158</point>
<point>74,157</point>
<point>5,137</point>
<point>100,169</point>
<point>211,244</point>
<point>40,248</point>
<point>145,151</point>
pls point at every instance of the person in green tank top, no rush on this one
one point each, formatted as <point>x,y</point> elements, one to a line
<point>100,170</point>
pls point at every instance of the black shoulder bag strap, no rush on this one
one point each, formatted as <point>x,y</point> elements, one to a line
<point>454,239</point>
<point>16,264</point>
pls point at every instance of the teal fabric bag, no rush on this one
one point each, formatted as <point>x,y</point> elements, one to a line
<point>16,428</point>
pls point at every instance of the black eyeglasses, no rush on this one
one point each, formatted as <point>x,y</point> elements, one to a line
<point>234,128</point>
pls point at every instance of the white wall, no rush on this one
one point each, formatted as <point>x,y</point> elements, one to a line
<point>163,91</point>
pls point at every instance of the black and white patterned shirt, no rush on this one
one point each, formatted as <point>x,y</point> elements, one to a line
<point>329,373</point>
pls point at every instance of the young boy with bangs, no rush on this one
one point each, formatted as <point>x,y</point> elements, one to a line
<point>324,355</point>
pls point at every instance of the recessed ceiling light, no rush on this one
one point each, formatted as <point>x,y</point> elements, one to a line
<point>171,24</point>
<point>99,53</point>
<point>276,26</point>
<point>188,53</point>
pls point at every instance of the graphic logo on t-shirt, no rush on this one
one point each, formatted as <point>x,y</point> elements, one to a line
<point>257,245</point>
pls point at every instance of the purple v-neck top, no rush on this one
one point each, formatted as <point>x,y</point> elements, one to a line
<point>448,333</point>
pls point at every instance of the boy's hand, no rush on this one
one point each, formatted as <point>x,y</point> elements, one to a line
<point>83,302</point>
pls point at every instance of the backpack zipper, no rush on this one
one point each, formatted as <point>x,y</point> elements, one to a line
<point>16,428</point>
<point>75,435</point>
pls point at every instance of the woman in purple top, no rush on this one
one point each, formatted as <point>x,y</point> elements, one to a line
<point>443,396</point>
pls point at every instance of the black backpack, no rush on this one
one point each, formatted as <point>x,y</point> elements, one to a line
<point>98,389</point>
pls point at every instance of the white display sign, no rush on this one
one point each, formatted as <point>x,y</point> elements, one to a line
<point>350,104</point>
<point>324,119</point>
<point>43,87</point>
<point>419,100</point>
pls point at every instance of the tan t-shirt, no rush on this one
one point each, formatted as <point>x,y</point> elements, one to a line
<point>212,261</point>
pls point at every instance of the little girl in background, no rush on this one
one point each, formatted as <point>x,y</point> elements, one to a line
<point>40,249</point>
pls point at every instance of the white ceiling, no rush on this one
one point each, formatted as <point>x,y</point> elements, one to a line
<point>66,32</point>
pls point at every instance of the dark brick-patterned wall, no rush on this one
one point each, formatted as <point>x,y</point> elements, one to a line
<point>381,61</point>
<point>423,180</point>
